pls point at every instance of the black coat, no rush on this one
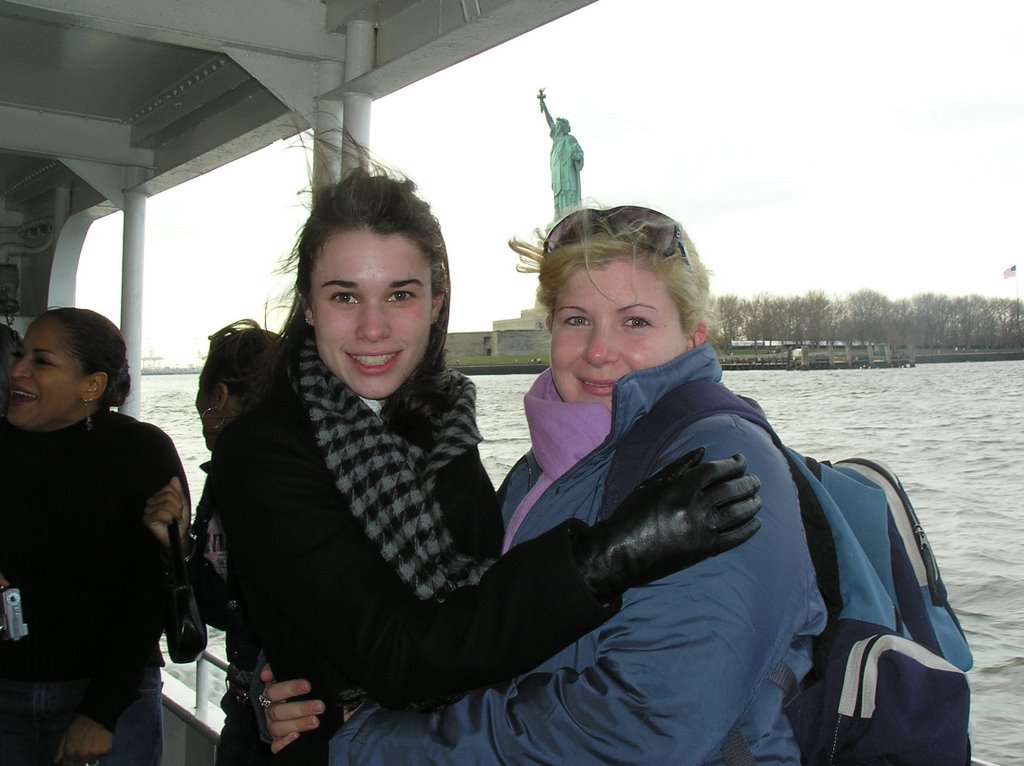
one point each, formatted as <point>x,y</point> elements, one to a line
<point>219,599</point>
<point>330,609</point>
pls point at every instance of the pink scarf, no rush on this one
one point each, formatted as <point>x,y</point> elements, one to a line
<point>562,433</point>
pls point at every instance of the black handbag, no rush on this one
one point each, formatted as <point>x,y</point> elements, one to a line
<point>185,629</point>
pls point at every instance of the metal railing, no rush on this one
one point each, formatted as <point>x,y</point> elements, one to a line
<point>192,721</point>
<point>203,671</point>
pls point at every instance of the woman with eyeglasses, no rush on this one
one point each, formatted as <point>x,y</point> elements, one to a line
<point>364,531</point>
<point>683,673</point>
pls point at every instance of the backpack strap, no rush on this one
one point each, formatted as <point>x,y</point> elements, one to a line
<point>735,750</point>
<point>673,413</point>
<point>678,410</point>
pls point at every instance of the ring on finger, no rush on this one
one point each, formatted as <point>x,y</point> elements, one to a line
<point>264,702</point>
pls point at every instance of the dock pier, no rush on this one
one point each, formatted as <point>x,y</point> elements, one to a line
<point>845,357</point>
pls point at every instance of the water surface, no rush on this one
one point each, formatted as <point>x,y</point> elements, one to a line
<point>954,433</point>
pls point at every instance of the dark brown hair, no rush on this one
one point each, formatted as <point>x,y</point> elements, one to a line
<point>376,201</point>
<point>234,358</point>
<point>98,346</point>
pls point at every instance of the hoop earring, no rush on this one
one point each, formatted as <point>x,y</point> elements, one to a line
<point>207,411</point>
<point>88,415</point>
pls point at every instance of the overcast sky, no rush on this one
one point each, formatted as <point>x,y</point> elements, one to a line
<point>804,145</point>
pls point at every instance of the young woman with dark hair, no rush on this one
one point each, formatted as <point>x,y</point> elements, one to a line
<point>225,392</point>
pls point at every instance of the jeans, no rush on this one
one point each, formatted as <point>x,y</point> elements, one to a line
<point>138,736</point>
<point>240,743</point>
<point>33,718</point>
<point>35,714</point>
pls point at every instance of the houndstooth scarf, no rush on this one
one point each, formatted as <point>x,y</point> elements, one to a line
<point>387,481</point>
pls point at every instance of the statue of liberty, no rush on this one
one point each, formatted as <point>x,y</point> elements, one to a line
<point>566,162</point>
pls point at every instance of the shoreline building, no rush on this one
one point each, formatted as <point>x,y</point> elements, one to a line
<point>526,335</point>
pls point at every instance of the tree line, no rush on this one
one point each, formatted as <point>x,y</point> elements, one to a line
<point>925,320</point>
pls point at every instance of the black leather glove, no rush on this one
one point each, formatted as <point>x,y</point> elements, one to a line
<point>687,512</point>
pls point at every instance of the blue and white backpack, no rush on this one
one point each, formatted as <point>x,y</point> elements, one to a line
<point>888,684</point>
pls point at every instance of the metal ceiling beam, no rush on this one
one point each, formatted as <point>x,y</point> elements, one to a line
<point>293,82</point>
<point>201,24</point>
<point>217,155</point>
<point>43,134</point>
<point>417,39</point>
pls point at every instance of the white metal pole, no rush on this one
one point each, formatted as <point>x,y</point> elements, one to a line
<point>357,125</point>
<point>359,59</point>
<point>327,134</point>
<point>132,258</point>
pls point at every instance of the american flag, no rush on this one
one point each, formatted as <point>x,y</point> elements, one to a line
<point>1010,272</point>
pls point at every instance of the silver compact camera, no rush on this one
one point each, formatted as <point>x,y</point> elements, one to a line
<point>12,622</point>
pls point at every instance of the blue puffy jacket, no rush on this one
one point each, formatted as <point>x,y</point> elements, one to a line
<point>679,671</point>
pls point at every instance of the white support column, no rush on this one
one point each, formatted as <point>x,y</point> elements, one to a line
<point>132,259</point>
<point>64,267</point>
<point>357,125</point>
<point>359,59</point>
<point>328,128</point>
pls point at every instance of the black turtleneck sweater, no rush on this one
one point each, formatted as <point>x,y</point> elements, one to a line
<point>72,539</point>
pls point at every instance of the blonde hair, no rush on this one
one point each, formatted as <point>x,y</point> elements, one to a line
<point>687,279</point>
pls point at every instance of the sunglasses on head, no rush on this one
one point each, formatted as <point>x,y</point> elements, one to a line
<point>661,234</point>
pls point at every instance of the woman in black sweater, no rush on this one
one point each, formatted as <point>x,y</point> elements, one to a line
<point>76,477</point>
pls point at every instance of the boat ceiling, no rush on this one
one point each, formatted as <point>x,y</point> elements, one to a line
<point>171,89</point>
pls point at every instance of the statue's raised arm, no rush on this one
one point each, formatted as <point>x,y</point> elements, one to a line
<point>544,109</point>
